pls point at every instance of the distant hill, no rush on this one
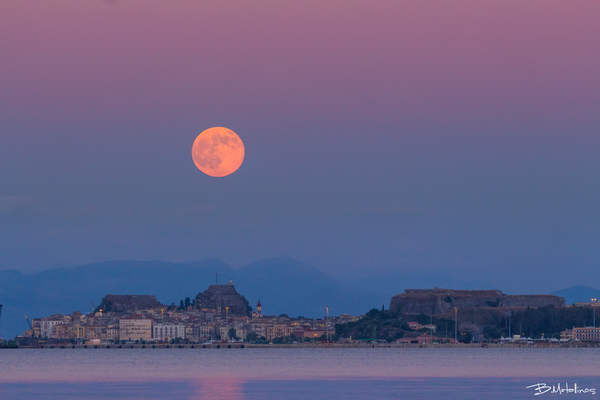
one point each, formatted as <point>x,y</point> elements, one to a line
<point>288,286</point>
<point>283,285</point>
<point>578,294</point>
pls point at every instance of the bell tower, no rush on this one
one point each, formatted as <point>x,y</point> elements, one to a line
<point>258,309</point>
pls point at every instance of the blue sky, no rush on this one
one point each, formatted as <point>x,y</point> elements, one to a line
<point>379,140</point>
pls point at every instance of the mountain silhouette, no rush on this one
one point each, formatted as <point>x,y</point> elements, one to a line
<point>578,294</point>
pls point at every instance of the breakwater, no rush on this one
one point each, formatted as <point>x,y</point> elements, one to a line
<point>314,345</point>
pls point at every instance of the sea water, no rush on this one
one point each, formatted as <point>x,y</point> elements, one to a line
<point>276,373</point>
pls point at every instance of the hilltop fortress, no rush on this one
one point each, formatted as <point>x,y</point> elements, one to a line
<point>225,300</point>
<point>440,301</point>
<point>128,302</point>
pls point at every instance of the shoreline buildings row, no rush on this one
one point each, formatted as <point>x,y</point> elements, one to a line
<point>219,313</point>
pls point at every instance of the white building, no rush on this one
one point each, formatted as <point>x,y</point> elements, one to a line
<point>46,326</point>
<point>168,331</point>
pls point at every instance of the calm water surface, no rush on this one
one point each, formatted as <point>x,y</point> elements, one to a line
<point>294,373</point>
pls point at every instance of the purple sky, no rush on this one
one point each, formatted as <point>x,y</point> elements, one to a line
<point>381,136</point>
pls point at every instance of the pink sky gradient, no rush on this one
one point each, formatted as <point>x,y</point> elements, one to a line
<point>340,60</point>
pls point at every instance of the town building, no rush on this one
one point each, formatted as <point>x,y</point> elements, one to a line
<point>587,333</point>
<point>135,329</point>
<point>207,332</point>
<point>112,333</point>
<point>46,325</point>
<point>278,331</point>
<point>224,332</point>
<point>168,331</point>
<point>314,333</point>
<point>423,339</point>
<point>298,331</point>
<point>76,331</point>
<point>60,331</point>
<point>259,328</point>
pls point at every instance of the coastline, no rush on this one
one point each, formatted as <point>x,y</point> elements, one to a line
<point>316,346</point>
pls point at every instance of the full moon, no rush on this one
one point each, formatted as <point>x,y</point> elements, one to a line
<point>218,152</point>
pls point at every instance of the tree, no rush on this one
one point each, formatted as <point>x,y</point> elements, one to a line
<point>231,334</point>
<point>187,302</point>
<point>382,307</point>
<point>181,304</point>
<point>279,340</point>
<point>251,337</point>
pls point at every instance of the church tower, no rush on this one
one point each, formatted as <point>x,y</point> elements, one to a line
<point>258,309</point>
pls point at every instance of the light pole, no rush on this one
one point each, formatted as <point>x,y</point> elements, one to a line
<point>509,330</point>
<point>521,329</point>
<point>431,327</point>
<point>327,323</point>
<point>594,306</point>
<point>455,324</point>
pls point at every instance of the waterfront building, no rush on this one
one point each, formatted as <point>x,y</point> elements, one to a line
<point>586,333</point>
<point>47,324</point>
<point>298,331</point>
<point>112,332</point>
<point>191,332</point>
<point>224,332</point>
<point>60,331</point>
<point>426,338</point>
<point>168,331</point>
<point>242,330</point>
<point>95,329</point>
<point>135,328</point>
<point>207,332</point>
<point>259,328</point>
<point>567,335</point>
<point>76,331</point>
<point>278,330</point>
<point>315,333</point>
